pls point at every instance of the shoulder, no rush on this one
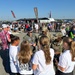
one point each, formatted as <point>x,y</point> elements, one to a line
<point>39,52</point>
<point>26,36</point>
<point>52,51</point>
<point>33,34</point>
<point>65,54</point>
<point>12,48</point>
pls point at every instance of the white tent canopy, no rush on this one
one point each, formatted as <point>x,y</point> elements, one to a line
<point>47,21</point>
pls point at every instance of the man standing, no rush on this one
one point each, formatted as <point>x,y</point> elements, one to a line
<point>5,49</point>
<point>31,38</point>
<point>45,32</point>
<point>36,27</point>
<point>4,37</point>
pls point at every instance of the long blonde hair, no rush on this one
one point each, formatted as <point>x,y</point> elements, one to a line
<point>44,42</point>
<point>25,52</point>
<point>73,50</point>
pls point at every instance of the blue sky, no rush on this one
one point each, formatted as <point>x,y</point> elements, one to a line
<point>25,8</point>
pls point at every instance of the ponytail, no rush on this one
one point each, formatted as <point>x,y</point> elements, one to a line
<point>46,51</point>
<point>73,50</point>
<point>44,42</point>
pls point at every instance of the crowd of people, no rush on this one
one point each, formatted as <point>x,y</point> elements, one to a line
<point>45,54</point>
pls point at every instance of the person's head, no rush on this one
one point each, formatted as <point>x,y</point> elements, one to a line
<point>73,50</point>
<point>73,27</point>
<point>44,43</point>
<point>67,43</point>
<point>25,52</point>
<point>29,30</point>
<point>59,37</point>
<point>14,40</point>
<point>4,27</point>
<point>44,31</point>
<point>8,28</point>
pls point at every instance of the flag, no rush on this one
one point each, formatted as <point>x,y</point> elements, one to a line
<point>50,15</point>
<point>36,12</point>
<point>13,14</point>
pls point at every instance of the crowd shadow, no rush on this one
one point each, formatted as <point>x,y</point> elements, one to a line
<point>4,54</point>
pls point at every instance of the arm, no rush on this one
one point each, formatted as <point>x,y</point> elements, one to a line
<point>59,67</point>
<point>34,66</point>
<point>8,37</point>
<point>62,64</point>
<point>35,62</point>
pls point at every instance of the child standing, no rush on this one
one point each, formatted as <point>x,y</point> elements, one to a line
<point>67,58</point>
<point>24,57</point>
<point>13,53</point>
<point>43,59</point>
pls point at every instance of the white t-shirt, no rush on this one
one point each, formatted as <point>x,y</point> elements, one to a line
<point>43,69</point>
<point>25,69</point>
<point>63,31</point>
<point>36,26</point>
<point>65,61</point>
<point>12,54</point>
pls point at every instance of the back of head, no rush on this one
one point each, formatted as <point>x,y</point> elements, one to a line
<point>44,42</point>
<point>25,52</point>
<point>29,29</point>
<point>24,46</point>
<point>13,38</point>
<point>59,37</point>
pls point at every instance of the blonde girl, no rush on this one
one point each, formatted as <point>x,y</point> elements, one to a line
<point>43,59</point>
<point>24,57</point>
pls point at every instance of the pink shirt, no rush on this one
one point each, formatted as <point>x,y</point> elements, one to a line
<point>3,37</point>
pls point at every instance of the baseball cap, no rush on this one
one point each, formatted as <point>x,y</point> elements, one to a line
<point>8,26</point>
<point>4,26</point>
<point>29,29</point>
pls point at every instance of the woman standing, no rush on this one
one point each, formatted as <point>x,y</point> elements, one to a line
<point>43,59</point>
<point>67,58</point>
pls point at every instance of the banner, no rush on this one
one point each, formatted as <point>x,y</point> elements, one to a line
<point>13,14</point>
<point>50,15</point>
<point>36,13</point>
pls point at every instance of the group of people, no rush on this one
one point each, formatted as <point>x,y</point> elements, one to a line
<point>26,59</point>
